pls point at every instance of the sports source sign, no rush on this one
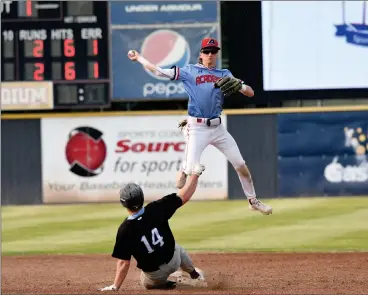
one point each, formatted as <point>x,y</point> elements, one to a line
<point>90,159</point>
<point>19,96</point>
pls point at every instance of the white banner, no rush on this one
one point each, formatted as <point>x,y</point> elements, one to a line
<point>27,96</point>
<point>90,159</point>
<point>315,44</point>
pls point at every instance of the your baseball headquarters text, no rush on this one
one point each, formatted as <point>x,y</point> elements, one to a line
<point>91,186</point>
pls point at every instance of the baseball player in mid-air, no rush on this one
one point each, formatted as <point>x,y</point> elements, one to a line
<point>206,87</point>
<point>146,235</point>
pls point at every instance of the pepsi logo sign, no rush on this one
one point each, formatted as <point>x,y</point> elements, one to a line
<point>166,48</point>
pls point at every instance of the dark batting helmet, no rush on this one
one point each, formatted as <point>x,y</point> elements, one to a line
<point>131,196</point>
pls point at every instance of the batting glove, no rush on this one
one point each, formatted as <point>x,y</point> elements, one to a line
<point>109,288</point>
<point>198,169</point>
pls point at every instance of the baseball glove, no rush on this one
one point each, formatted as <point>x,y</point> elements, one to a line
<point>228,85</point>
<point>182,124</point>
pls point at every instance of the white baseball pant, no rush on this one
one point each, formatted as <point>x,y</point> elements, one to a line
<point>198,136</point>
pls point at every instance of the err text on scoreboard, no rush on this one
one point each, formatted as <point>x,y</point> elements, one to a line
<point>66,42</point>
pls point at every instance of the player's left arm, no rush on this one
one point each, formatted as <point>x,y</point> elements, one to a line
<point>122,251</point>
<point>122,268</point>
<point>245,89</point>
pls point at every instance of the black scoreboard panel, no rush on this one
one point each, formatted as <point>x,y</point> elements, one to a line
<point>66,42</point>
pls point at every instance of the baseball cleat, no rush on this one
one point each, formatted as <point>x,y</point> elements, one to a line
<point>168,285</point>
<point>257,205</point>
<point>201,274</point>
<point>180,181</point>
<point>183,278</point>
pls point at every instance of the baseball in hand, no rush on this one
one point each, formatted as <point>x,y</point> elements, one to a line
<point>132,54</point>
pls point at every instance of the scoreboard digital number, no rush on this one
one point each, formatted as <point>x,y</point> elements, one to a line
<point>66,42</point>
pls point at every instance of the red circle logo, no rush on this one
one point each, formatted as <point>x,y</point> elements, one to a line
<point>85,151</point>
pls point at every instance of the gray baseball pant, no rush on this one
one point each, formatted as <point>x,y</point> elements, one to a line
<point>156,279</point>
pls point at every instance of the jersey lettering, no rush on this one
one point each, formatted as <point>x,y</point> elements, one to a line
<point>156,239</point>
<point>206,79</point>
<point>204,101</point>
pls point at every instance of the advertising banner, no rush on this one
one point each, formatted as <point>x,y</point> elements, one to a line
<point>315,45</point>
<point>20,96</point>
<point>90,159</point>
<point>323,154</point>
<point>163,12</point>
<point>163,47</point>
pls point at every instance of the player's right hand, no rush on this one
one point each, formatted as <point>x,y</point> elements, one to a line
<point>198,169</point>
<point>133,55</point>
<point>109,288</point>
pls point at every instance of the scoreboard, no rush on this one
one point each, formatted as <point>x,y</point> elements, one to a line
<point>65,42</point>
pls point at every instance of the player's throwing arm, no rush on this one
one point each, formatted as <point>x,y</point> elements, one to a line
<point>135,56</point>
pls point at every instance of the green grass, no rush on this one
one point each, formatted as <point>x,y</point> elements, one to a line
<point>313,224</point>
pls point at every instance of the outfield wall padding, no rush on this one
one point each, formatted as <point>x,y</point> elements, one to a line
<point>290,153</point>
<point>20,162</point>
<point>256,137</point>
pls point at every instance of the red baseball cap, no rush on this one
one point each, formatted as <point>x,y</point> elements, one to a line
<point>209,43</point>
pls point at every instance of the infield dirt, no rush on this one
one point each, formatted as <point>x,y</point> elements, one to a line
<point>246,273</point>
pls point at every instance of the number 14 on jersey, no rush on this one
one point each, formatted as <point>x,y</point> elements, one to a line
<point>156,240</point>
